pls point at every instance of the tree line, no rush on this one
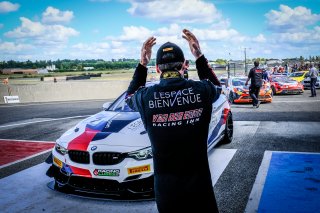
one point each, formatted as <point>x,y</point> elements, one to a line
<point>72,65</point>
<point>100,64</point>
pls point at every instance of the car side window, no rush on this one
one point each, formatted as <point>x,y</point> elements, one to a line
<point>120,105</point>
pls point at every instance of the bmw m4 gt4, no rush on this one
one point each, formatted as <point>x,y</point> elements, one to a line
<point>110,153</point>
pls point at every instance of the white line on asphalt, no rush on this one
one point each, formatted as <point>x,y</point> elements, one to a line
<point>52,119</point>
<point>26,158</point>
<point>256,192</point>
<point>51,103</point>
<point>300,101</point>
<point>14,140</point>
<point>218,161</point>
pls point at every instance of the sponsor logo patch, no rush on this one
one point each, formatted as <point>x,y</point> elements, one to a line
<point>57,162</point>
<point>139,169</point>
<point>167,49</point>
<point>106,172</point>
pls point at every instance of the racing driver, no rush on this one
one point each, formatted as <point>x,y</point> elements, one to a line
<point>176,115</point>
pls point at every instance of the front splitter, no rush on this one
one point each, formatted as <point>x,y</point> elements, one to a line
<point>98,196</point>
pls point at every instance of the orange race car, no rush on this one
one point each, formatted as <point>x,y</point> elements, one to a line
<point>285,85</point>
<point>239,93</point>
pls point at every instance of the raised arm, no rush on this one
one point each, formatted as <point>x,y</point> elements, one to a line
<point>203,68</point>
<point>140,75</point>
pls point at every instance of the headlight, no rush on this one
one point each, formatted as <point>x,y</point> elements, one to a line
<point>141,154</point>
<point>239,91</point>
<point>60,149</point>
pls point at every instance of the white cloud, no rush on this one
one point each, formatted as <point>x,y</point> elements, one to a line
<point>1,26</point>
<point>294,32</point>
<point>54,15</point>
<point>260,38</point>
<point>172,30</point>
<point>11,47</point>
<point>213,41</point>
<point>116,44</point>
<point>133,33</point>
<point>40,33</point>
<point>176,11</point>
<point>222,24</point>
<point>288,19</point>
<point>303,37</point>
<point>90,50</point>
<point>6,7</point>
<point>267,52</point>
<point>217,35</point>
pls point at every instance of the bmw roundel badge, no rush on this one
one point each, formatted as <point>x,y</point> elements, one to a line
<point>94,148</point>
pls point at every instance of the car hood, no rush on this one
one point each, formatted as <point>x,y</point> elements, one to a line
<point>112,129</point>
<point>288,83</point>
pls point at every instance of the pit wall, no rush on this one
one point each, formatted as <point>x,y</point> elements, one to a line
<point>64,91</point>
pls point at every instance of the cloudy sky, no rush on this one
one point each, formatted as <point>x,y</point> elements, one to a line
<point>113,29</point>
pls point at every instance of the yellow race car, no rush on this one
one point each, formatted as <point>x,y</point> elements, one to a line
<point>299,76</point>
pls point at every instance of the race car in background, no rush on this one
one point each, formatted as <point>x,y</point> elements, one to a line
<point>284,85</point>
<point>109,153</point>
<point>306,83</point>
<point>239,93</point>
<point>299,76</point>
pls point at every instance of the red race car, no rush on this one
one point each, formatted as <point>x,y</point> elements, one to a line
<point>285,85</point>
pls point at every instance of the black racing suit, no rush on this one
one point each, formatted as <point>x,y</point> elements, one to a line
<point>256,82</point>
<point>176,114</point>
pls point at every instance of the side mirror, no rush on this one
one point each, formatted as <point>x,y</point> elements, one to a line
<point>106,105</point>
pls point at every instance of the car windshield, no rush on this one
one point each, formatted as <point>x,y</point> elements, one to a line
<point>223,81</point>
<point>120,105</point>
<point>238,82</point>
<point>283,79</point>
<point>296,74</point>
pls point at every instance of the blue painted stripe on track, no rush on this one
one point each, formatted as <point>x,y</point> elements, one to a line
<point>292,184</point>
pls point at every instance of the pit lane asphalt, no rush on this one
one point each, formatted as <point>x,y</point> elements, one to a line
<point>290,123</point>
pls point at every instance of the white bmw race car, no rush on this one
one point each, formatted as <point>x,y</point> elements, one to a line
<point>109,153</point>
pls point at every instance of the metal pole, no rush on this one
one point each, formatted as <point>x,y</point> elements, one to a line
<point>245,61</point>
<point>229,67</point>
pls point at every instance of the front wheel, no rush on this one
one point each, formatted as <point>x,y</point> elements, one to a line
<point>273,90</point>
<point>228,131</point>
<point>231,97</point>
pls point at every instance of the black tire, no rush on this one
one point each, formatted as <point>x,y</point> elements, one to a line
<point>273,90</point>
<point>228,132</point>
<point>231,99</point>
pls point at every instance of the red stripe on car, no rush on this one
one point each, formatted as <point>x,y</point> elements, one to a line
<point>82,142</point>
<point>80,171</point>
<point>225,115</point>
